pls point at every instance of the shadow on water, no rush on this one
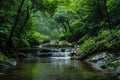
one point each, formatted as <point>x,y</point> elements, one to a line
<point>54,68</point>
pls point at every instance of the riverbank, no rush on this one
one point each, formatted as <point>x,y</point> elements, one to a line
<point>101,51</point>
<point>105,62</point>
<point>6,62</point>
<point>108,63</point>
<point>61,56</point>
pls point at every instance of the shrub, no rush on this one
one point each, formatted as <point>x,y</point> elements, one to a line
<point>105,41</point>
<point>87,46</point>
<point>36,37</point>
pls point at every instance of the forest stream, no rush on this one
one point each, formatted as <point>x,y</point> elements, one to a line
<point>57,67</point>
<point>59,39</point>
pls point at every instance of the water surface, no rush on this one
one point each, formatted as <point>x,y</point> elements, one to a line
<point>54,68</point>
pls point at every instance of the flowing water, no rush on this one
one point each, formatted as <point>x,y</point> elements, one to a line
<point>57,67</point>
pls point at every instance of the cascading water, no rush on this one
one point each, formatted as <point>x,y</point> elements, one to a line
<point>62,54</point>
<point>46,52</point>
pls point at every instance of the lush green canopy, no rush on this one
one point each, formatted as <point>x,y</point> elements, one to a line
<point>25,22</point>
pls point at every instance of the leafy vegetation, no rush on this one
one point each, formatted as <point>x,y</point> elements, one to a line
<point>94,24</point>
<point>103,42</point>
<point>4,60</point>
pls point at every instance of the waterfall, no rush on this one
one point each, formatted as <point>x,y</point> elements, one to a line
<point>46,52</point>
<point>62,54</point>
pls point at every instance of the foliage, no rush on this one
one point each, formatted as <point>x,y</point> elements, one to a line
<point>115,64</point>
<point>87,46</point>
<point>92,23</point>
<point>61,15</point>
<point>45,24</point>
<point>110,42</point>
<point>5,60</point>
<point>35,38</point>
<point>37,35</point>
<point>103,42</point>
<point>66,36</point>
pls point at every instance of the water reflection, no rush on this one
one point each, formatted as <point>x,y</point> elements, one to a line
<point>49,69</point>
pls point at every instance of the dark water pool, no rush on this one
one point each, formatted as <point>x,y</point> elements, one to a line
<point>52,69</point>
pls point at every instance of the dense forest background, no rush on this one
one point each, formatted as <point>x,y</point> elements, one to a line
<point>93,24</point>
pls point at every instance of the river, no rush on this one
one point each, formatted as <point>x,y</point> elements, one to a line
<point>52,68</point>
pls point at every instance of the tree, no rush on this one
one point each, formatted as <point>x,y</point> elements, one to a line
<point>62,17</point>
<point>9,42</point>
<point>108,16</point>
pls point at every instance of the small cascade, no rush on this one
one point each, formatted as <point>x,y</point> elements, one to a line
<point>46,52</point>
<point>61,54</point>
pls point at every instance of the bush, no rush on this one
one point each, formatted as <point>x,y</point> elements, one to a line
<point>36,38</point>
<point>109,41</point>
<point>87,46</point>
<point>105,41</point>
<point>4,59</point>
<point>67,36</point>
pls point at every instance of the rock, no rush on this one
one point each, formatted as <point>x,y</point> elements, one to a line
<point>105,61</point>
<point>118,69</point>
<point>63,50</point>
<point>110,68</point>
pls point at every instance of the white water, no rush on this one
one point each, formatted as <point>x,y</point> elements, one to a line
<point>61,55</point>
<point>57,54</point>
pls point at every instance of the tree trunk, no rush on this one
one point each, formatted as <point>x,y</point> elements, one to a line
<point>9,43</point>
<point>107,15</point>
<point>25,21</point>
<point>69,28</point>
<point>64,27</point>
<point>28,12</point>
<point>99,12</point>
<point>58,29</point>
